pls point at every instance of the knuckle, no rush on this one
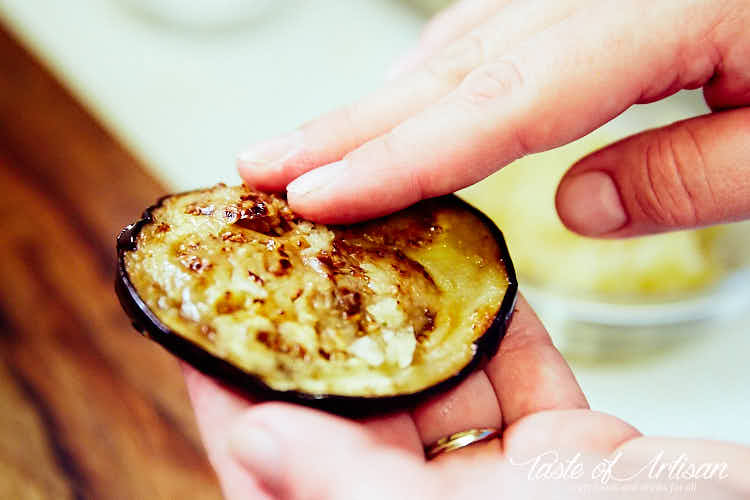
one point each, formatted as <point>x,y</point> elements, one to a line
<point>454,62</point>
<point>387,158</point>
<point>390,150</point>
<point>490,82</point>
<point>344,124</point>
<point>380,156</point>
<point>675,190</point>
<point>432,31</point>
<point>348,118</point>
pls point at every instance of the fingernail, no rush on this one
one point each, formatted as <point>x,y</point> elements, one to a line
<point>272,153</point>
<point>318,179</point>
<point>256,448</point>
<point>590,204</point>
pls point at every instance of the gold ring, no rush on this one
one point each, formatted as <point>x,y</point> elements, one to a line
<point>459,440</point>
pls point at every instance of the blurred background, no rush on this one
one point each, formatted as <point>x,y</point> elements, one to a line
<point>107,104</point>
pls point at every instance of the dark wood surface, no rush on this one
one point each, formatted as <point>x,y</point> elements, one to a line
<point>89,408</point>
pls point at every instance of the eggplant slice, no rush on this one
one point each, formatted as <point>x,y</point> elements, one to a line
<point>354,320</point>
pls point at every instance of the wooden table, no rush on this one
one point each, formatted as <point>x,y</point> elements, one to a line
<point>89,408</point>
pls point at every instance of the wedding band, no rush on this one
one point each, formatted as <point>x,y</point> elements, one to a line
<point>459,440</point>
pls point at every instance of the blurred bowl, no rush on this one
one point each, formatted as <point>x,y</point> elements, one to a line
<point>601,329</point>
<point>615,299</point>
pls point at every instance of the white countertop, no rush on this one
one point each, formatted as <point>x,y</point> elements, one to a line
<point>185,102</point>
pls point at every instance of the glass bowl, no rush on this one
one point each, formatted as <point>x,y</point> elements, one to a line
<point>604,300</point>
<point>600,328</point>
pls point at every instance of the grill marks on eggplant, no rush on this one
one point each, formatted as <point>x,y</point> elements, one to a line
<point>342,306</point>
<point>320,309</point>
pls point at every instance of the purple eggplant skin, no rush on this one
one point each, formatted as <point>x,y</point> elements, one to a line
<point>244,383</point>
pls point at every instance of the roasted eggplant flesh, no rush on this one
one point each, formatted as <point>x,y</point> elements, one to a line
<point>390,307</point>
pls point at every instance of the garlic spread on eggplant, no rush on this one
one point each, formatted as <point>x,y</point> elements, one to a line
<point>387,306</point>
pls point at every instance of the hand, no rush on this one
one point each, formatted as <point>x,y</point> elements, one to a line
<point>495,80</point>
<point>278,450</point>
<point>288,451</point>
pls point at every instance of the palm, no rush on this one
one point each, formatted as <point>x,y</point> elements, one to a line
<point>526,377</point>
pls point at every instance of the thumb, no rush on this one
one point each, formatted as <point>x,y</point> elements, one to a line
<point>298,453</point>
<point>692,173</point>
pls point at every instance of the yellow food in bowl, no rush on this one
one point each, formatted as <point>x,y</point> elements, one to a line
<point>520,199</point>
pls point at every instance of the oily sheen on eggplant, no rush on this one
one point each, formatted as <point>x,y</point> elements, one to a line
<point>354,320</point>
